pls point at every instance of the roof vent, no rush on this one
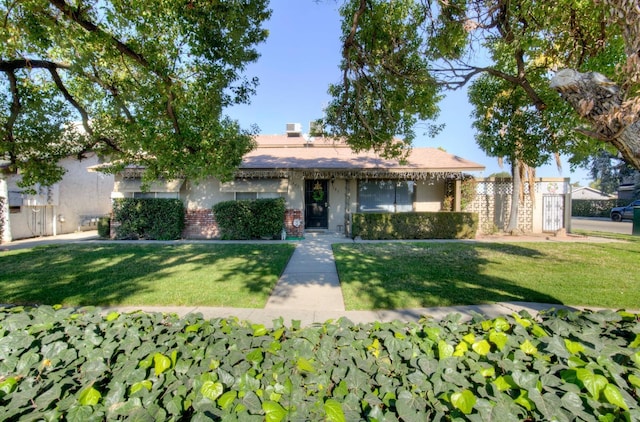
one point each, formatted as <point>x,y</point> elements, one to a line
<point>294,129</point>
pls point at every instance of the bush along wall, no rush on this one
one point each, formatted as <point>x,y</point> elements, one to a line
<point>157,219</point>
<point>250,219</point>
<point>78,365</point>
<point>415,225</point>
<point>104,227</point>
<point>2,205</point>
<point>595,207</point>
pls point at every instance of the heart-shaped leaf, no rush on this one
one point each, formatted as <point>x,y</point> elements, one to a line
<point>89,396</point>
<point>464,401</point>
<point>160,363</point>
<point>594,383</point>
<point>274,412</point>
<point>212,390</point>
<point>334,411</point>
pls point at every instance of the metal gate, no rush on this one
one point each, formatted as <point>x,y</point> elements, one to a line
<point>552,213</point>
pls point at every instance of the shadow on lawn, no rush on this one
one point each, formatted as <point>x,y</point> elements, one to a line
<point>108,274</point>
<point>401,275</point>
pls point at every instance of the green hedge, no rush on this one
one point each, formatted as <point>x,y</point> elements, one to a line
<point>2,205</point>
<point>250,219</point>
<point>77,365</point>
<point>104,227</point>
<point>158,219</point>
<point>595,207</point>
<point>415,225</point>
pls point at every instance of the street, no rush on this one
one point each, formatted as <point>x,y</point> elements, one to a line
<point>601,225</point>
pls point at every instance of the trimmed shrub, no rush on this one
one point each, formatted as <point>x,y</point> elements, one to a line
<point>79,365</point>
<point>595,207</point>
<point>104,226</point>
<point>149,218</point>
<point>250,219</point>
<point>415,225</point>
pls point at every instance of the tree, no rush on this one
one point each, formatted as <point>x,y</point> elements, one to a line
<point>449,40</point>
<point>609,171</point>
<point>147,80</point>
<point>510,127</point>
<point>611,106</point>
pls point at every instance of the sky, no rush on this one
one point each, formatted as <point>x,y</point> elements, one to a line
<point>301,57</point>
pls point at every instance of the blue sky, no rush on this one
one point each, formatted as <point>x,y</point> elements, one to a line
<point>300,59</point>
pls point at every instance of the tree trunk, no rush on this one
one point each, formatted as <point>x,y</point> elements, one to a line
<point>516,181</point>
<point>4,218</point>
<point>601,102</point>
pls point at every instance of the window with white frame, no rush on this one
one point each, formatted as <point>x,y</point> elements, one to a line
<point>256,195</point>
<point>148,195</point>
<point>386,195</point>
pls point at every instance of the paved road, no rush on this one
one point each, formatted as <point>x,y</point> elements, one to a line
<point>601,225</point>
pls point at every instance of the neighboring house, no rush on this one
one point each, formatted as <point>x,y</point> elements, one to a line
<point>324,182</point>
<point>73,204</point>
<point>590,193</point>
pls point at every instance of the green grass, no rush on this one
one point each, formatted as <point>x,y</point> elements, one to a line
<point>410,275</point>
<point>236,275</point>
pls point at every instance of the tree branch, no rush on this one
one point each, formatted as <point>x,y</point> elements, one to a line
<point>78,17</point>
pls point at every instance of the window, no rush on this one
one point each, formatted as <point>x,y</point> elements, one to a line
<point>15,201</point>
<point>256,195</point>
<point>148,195</point>
<point>386,195</point>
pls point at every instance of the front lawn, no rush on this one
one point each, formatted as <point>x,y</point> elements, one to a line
<point>411,275</point>
<point>236,275</point>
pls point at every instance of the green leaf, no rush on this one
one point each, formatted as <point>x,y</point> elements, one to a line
<point>140,385</point>
<point>274,411</point>
<point>528,348</point>
<point>524,322</point>
<point>635,343</point>
<point>524,401</point>
<point>160,363</point>
<point>498,338</point>
<point>8,386</point>
<point>255,356</point>
<point>573,347</point>
<point>481,347</point>
<point>304,365</point>
<point>538,331</point>
<point>464,401</point>
<point>501,324</point>
<point>211,390</point>
<point>89,396</point>
<point>488,371</point>
<point>505,382</point>
<point>112,316</point>
<point>613,396</point>
<point>334,411</point>
<point>634,380</point>
<point>445,350</point>
<point>259,330</point>
<point>594,383</point>
<point>227,399</point>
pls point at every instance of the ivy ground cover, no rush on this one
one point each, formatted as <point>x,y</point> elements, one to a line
<point>237,275</point>
<point>426,274</point>
<point>80,365</point>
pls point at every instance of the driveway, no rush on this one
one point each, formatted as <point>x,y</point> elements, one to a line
<point>601,225</point>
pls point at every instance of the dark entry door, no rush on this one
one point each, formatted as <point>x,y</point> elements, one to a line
<point>316,200</point>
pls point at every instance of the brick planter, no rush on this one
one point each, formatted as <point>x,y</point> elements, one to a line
<point>290,216</point>
<point>200,224</point>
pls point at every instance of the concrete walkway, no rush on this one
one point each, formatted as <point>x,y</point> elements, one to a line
<point>308,290</point>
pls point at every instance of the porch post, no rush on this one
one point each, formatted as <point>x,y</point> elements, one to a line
<point>457,197</point>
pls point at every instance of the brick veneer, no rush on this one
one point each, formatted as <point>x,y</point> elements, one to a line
<point>289,216</point>
<point>200,224</point>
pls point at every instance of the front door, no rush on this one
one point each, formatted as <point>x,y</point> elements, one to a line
<point>316,199</point>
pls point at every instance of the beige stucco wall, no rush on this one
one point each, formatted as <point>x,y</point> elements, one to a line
<point>79,193</point>
<point>429,195</point>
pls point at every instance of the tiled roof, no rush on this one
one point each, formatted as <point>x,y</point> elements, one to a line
<point>283,152</point>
